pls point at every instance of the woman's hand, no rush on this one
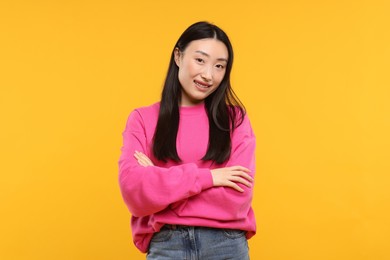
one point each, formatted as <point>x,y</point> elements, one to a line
<point>230,176</point>
<point>142,159</point>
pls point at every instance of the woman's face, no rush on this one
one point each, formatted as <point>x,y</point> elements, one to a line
<point>202,67</point>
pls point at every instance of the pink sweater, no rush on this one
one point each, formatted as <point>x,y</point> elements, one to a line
<point>182,193</point>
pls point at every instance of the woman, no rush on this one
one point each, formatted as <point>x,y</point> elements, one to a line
<point>187,164</point>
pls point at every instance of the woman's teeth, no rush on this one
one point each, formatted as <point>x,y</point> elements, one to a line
<point>201,85</point>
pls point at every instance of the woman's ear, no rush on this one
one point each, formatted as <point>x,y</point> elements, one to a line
<point>177,53</point>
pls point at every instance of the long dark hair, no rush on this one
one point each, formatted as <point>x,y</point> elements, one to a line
<point>225,111</point>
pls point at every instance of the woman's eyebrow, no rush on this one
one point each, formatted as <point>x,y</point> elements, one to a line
<point>207,55</point>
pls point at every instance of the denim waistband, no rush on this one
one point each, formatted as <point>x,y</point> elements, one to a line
<point>174,226</point>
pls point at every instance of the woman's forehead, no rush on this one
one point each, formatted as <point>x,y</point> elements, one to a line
<point>209,47</point>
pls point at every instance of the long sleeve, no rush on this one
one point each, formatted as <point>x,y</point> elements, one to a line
<point>147,190</point>
<point>224,203</point>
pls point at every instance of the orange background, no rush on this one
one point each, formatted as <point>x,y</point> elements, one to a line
<point>314,76</point>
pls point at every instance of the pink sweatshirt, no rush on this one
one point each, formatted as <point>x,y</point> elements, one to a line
<point>182,193</point>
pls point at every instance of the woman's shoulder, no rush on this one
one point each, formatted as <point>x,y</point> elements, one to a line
<point>145,113</point>
<point>149,110</point>
<point>143,116</point>
<point>242,121</point>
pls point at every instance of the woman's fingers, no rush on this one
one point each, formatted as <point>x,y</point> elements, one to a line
<point>142,159</point>
<point>245,176</point>
<point>231,177</point>
<point>238,168</point>
<point>241,180</point>
<point>235,186</point>
<point>240,171</point>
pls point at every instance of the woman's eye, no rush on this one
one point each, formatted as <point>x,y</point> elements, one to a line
<point>219,66</point>
<point>199,60</point>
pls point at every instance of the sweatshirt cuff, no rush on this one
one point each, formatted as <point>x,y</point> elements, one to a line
<point>205,179</point>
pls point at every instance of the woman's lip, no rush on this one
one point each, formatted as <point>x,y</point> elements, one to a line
<point>202,83</point>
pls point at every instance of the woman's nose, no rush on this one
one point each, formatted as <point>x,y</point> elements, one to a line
<point>207,74</point>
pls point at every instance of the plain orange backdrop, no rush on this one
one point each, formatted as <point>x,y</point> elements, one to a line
<point>314,76</point>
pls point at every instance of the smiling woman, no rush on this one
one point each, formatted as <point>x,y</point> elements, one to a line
<point>201,69</point>
<point>187,164</point>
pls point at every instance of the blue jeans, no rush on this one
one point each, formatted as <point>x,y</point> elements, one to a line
<point>175,242</point>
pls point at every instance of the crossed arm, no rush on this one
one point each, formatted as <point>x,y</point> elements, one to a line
<point>147,188</point>
<point>226,176</point>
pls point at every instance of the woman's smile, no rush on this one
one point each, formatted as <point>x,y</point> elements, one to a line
<point>202,85</point>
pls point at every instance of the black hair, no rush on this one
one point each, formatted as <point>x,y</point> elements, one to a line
<point>225,111</point>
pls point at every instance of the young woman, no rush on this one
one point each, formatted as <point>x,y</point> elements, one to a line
<point>187,164</point>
